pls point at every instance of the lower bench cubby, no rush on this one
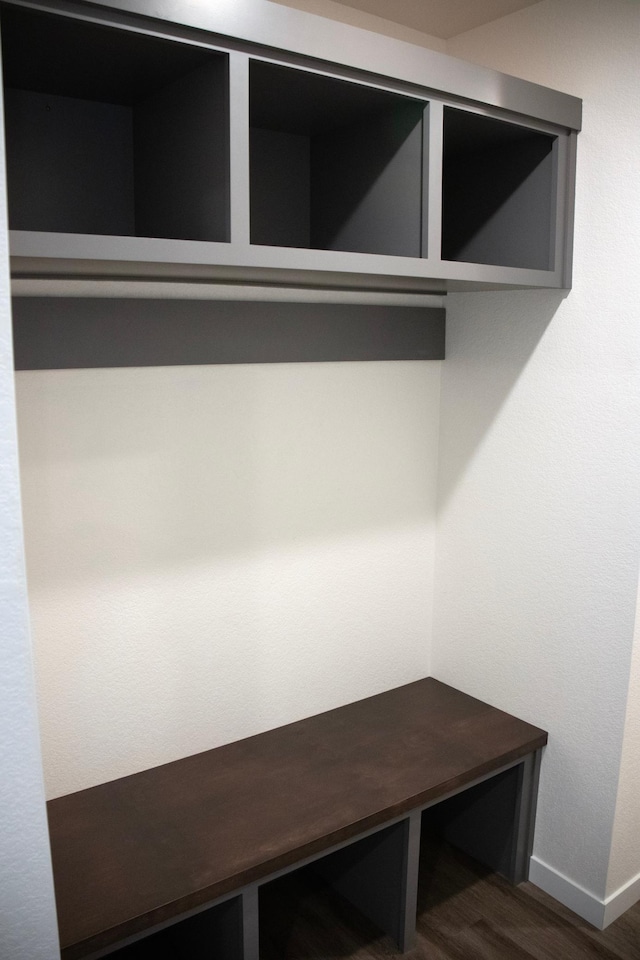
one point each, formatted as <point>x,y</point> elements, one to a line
<point>302,916</point>
<point>368,874</point>
<point>483,822</point>
<point>213,934</point>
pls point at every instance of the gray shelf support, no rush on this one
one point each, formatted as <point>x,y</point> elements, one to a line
<point>566,211</point>
<point>432,182</point>
<point>250,924</point>
<point>525,817</point>
<point>239,147</point>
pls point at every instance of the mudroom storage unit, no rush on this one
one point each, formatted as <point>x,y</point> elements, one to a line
<point>141,147</point>
<point>145,142</point>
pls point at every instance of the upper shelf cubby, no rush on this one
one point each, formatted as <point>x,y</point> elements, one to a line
<point>498,192</point>
<point>113,132</point>
<point>335,165</point>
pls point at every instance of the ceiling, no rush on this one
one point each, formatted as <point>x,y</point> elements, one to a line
<point>440,18</point>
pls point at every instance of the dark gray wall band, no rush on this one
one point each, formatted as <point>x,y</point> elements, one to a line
<point>55,333</point>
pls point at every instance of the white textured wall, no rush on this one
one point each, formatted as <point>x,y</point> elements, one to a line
<point>540,518</point>
<point>213,551</point>
<point>28,928</point>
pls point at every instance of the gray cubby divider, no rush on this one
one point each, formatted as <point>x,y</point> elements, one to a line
<point>335,165</point>
<point>498,192</point>
<point>113,132</point>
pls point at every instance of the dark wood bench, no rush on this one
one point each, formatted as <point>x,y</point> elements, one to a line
<point>184,848</point>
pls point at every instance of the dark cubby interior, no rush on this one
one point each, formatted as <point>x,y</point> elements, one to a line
<point>335,165</point>
<point>301,916</point>
<point>479,821</point>
<point>497,192</point>
<point>214,933</point>
<point>113,132</point>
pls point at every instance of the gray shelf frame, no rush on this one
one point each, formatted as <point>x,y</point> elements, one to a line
<point>54,333</point>
<point>281,30</point>
<point>40,254</point>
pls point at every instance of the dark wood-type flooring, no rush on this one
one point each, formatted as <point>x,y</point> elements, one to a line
<point>465,912</point>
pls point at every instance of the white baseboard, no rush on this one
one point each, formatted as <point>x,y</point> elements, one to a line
<point>573,896</point>
<point>620,901</point>
<point>599,913</point>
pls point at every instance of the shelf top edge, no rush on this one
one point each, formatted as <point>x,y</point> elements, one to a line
<point>60,260</point>
<point>295,31</point>
<point>193,290</point>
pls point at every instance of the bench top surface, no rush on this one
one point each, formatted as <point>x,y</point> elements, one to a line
<point>146,848</point>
